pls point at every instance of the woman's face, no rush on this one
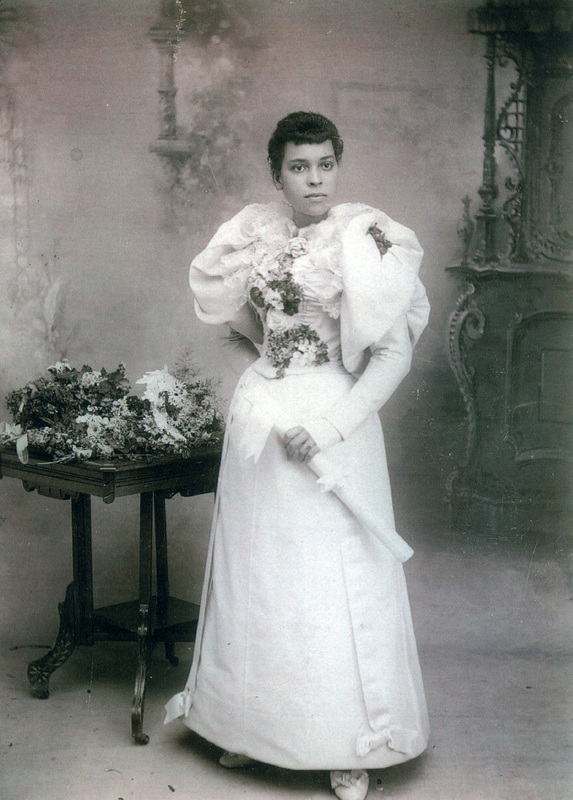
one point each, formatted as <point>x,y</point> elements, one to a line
<point>309,178</point>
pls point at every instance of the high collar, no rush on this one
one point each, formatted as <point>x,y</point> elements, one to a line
<point>337,216</point>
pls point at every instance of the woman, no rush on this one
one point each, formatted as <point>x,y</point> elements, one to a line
<point>305,655</point>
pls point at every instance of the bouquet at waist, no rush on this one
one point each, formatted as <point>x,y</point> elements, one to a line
<point>74,414</point>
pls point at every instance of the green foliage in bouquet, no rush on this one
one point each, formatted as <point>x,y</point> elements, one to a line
<point>87,414</point>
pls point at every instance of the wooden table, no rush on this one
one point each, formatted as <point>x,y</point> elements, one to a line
<point>150,618</point>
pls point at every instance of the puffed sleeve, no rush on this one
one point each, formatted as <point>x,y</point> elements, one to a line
<point>378,288</point>
<point>384,311</point>
<point>218,276</point>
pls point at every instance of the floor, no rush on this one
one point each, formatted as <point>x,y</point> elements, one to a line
<point>494,624</point>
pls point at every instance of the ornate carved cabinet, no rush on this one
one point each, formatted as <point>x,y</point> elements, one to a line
<point>511,334</point>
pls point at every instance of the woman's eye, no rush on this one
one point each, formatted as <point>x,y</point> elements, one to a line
<point>327,165</point>
<point>298,168</point>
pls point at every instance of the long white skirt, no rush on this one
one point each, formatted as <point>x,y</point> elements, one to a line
<point>305,655</point>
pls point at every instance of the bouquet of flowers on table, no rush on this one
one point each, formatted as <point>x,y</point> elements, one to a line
<point>74,414</point>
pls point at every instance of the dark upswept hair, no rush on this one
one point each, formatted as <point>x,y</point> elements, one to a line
<point>301,127</point>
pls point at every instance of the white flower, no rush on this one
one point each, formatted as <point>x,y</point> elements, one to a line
<point>59,366</point>
<point>81,452</point>
<point>297,247</point>
<point>94,422</point>
<point>158,381</point>
<point>277,321</point>
<point>7,429</point>
<point>259,281</point>
<point>177,397</point>
<point>273,298</point>
<point>120,407</point>
<point>90,379</point>
<point>306,354</point>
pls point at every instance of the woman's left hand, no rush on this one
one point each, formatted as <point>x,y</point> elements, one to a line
<point>299,444</point>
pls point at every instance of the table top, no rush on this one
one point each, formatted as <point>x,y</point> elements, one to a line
<point>196,474</point>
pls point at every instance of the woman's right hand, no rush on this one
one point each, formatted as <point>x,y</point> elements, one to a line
<point>299,444</point>
<point>305,441</point>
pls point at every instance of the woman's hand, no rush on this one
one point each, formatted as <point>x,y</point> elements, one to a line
<point>299,444</point>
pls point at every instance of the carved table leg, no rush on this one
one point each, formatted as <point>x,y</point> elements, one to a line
<point>140,677</point>
<point>143,632</point>
<point>39,671</point>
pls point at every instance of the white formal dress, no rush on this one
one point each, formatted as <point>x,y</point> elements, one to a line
<point>305,655</point>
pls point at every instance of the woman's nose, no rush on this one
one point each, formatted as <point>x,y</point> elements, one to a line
<point>314,176</point>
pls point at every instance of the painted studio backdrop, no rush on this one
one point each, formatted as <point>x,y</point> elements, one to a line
<point>121,154</point>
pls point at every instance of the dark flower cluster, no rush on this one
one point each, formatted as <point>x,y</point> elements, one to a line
<point>302,341</point>
<point>68,392</point>
<point>382,243</point>
<point>280,289</point>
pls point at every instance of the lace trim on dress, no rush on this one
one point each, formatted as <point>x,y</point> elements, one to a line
<point>315,251</point>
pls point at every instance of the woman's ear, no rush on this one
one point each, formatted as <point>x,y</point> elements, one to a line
<point>277,181</point>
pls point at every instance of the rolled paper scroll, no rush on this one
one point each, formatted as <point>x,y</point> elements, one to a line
<point>264,414</point>
<point>320,465</point>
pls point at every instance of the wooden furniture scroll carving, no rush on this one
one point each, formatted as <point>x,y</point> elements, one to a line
<point>510,337</point>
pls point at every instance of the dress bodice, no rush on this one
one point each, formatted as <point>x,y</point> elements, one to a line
<point>296,292</point>
<point>324,293</point>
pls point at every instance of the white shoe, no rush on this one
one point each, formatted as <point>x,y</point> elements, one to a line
<point>235,760</point>
<point>350,784</point>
